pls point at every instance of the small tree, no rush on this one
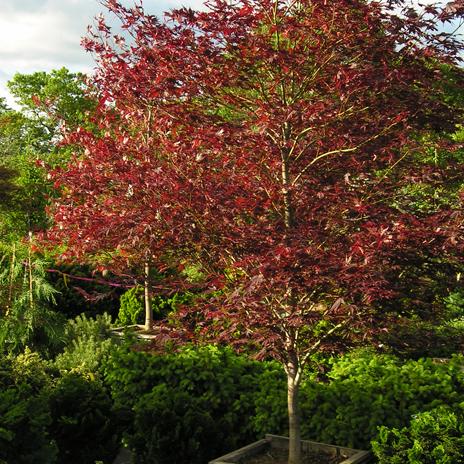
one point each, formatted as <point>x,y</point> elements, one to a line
<point>28,140</point>
<point>25,300</point>
<point>263,141</point>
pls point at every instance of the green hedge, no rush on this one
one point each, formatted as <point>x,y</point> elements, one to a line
<point>366,391</point>
<point>199,403</point>
<point>187,407</point>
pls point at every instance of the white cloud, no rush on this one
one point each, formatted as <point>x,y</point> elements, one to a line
<point>41,35</point>
<point>45,35</point>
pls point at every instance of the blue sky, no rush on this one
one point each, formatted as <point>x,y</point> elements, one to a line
<point>41,35</point>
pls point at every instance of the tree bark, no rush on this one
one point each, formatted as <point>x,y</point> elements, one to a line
<point>292,368</point>
<point>148,310</point>
<point>289,217</point>
<point>294,418</point>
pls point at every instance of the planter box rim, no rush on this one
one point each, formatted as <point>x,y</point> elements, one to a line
<point>357,456</point>
<point>270,436</point>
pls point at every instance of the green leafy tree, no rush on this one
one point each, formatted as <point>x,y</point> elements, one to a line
<point>28,141</point>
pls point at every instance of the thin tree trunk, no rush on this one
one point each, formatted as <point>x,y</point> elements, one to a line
<point>29,265</point>
<point>11,280</point>
<point>289,217</point>
<point>294,418</point>
<point>292,368</point>
<point>148,310</point>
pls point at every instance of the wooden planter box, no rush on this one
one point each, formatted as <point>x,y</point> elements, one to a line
<point>352,456</point>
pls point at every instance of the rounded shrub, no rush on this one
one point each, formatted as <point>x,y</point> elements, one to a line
<point>432,437</point>
<point>24,413</point>
<point>88,343</point>
<point>131,306</point>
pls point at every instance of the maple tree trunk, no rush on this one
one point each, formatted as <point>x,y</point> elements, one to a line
<point>294,418</point>
<point>148,311</point>
<point>287,197</point>
<point>293,378</point>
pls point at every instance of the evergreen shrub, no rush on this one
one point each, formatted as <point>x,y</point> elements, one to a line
<point>189,406</point>
<point>432,437</point>
<point>24,414</point>
<point>132,309</point>
<point>367,391</point>
<point>83,424</point>
<point>88,343</point>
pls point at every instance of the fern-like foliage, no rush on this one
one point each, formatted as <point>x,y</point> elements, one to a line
<point>26,300</point>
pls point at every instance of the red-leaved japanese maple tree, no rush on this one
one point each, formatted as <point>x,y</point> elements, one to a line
<point>264,141</point>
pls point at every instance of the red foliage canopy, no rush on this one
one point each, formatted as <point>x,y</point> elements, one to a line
<point>265,141</point>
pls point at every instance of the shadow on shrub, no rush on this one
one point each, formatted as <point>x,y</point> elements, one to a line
<point>186,407</point>
<point>24,418</point>
<point>173,427</point>
<point>82,425</point>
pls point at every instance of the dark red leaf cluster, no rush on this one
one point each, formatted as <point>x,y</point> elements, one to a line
<point>263,141</point>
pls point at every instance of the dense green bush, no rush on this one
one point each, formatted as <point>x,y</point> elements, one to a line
<point>83,424</point>
<point>367,391</point>
<point>88,343</point>
<point>454,304</point>
<point>271,414</point>
<point>433,437</point>
<point>47,418</point>
<point>174,427</point>
<point>210,393</point>
<point>196,404</point>
<point>248,399</point>
<point>87,327</point>
<point>364,391</point>
<point>131,310</point>
<point>24,412</point>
